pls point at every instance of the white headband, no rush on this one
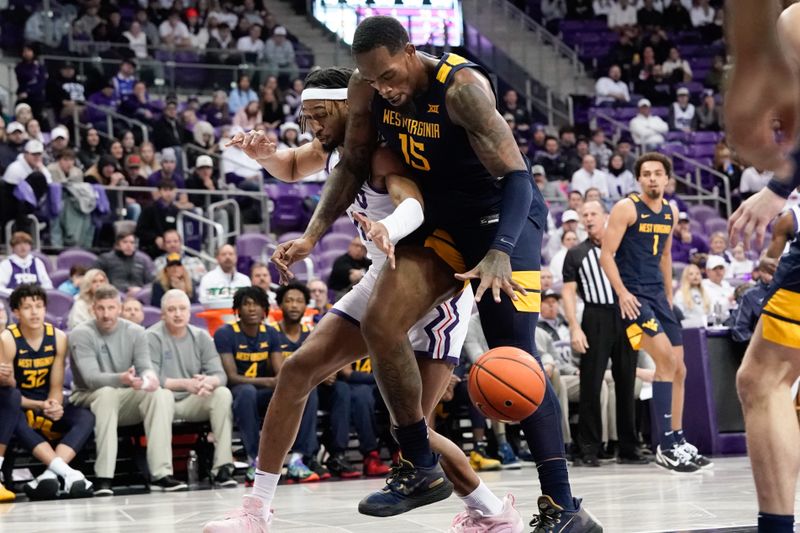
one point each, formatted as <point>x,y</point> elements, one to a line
<point>315,93</point>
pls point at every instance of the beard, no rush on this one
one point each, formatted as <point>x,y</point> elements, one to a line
<point>654,195</point>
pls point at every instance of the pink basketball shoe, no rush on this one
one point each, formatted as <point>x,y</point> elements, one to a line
<point>474,521</point>
<point>247,519</point>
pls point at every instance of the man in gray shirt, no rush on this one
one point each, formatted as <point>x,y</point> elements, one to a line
<point>113,376</point>
<point>187,363</point>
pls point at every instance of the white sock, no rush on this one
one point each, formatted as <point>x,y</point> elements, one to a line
<point>47,474</point>
<point>264,488</point>
<point>58,466</point>
<point>1,461</point>
<point>483,500</point>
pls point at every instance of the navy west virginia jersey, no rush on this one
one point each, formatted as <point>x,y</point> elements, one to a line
<point>454,182</point>
<point>780,316</point>
<point>284,344</point>
<point>363,365</point>
<point>639,254</point>
<point>251,354</point>
<point>32,367</point>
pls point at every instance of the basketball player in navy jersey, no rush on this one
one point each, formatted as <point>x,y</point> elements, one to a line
<point>762,113</point>
<point>38,351</point>
<point>439,115</point>
<point>337,340</point>
<point>636,256</point>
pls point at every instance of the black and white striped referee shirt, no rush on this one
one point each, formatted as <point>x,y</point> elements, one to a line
<point>582,265</point>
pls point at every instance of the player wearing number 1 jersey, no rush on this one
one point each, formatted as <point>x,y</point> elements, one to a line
<point>38,351</point>
<point>636,257</point>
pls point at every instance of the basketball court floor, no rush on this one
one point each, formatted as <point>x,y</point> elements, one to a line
<point>625,499</point>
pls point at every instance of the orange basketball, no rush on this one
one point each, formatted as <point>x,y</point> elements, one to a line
<point>507,384</point>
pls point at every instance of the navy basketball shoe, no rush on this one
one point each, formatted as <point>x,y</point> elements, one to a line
<point>553,518</point>
<point>407,488</point>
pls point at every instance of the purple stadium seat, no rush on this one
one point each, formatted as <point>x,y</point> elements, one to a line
<point>58,321</point>
<point>75,256</point>
<point>58,277</point>
<point>337,241</point>
<point>662,112</point>
<point>695,87</point>
<point>714,225</point>
<point>701,213</point>
<point>196,320</point>
<point>58,303</point>
<point>326,259</point>
<point>699,151</point>
<point>48,264</point>
<point>706,137</point>
<point>288,213</point>
<point>696,227</point>
<point>151,315</point>
<point>145,295</point>
<point>252,245</point>
<point>679,136</point>
<point>344,225</point>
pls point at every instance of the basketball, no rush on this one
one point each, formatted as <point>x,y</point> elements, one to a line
<point>506,384</point>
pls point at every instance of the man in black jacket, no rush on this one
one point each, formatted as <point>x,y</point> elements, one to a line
<point>168,131</point>
<point>349,268</point>
<point>157,218</point>
<point>125,271</point>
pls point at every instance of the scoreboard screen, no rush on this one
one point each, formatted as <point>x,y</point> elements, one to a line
<point>433,22</point>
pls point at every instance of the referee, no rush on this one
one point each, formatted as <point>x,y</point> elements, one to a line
<point>599,336</point>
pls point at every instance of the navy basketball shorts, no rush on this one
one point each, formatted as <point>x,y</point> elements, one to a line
<point>655,317</point>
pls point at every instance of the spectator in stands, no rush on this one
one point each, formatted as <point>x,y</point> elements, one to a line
<point>574,156</point>
<point>173,244</point>
<point>647,129</point>
<point>574,201</point>
<point>72,285</point>
<point>570,221</point>
<point>219,285</point>
<point>600,149</point>
<point>137,39</point>
<point>724,163</point>
<point>148,27</point>
<point>168,131</point>
<point>156,218</point>
<point>682,112</point>
<point>63,169</point>
<point>199,34</point>
<point>271,108</point>
<point>149,163</point>
<point>589,176</point>
<point>752,181</point>
<point>740,266</point>
<point>749,310</point>
<point>684,243</point>
<point>173,32</point>
<point>260,277</point>
<point>138,105</point>
<point>251,44</point>
<point>349,268</point>
<point>279,54</point>
<point>22,266</point>
<point>691,298</point>
<point>553,11</point>
<point>216,111</point>
<point>249,116</point>
<point>173,276</point>
<point>113,376</point>
<point>716,74</point>
<point>675,16</point>
<point>125,270</point>
<point>168,170</point>
<point>319,298</point>
<point>718,245</point>
<point>101,100</point>
<point>34,130</point>
<point>592,194</point>
<point>81,310</point>
<point>551,160</point>
<point>648,17</point>
<point>23,113</point>
<point>708,117</point>
<point>251,357</point>
<point>241,95</point>
<point>622,54</point>
<point>701,14</point>
<point>133,311</point>
<point>224,45</point>
<point>620,180</point>
<point>568,241</point>
<point>611,90</point>
<point>511,104</point>
<point>65,92</point>
<point>31,162</point>
<point>31,80</point>
<point>14,144</point>
<point>91,148</point>
<point>40,380</point>
<point>720,292</point>
<point>622,16</point>
<point>59,140</point>
<point>105,172</point>
<point>124,80</point>
<point>185,360</point>
<point>676,68</point>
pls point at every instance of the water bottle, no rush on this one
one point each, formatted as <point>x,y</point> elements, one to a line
<point>717,314</point>
<point>191,470</point>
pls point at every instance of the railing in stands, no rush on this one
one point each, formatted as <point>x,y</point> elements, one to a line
<point>215,234</point>
<point>36,233</point>
<point>702,194</point>
<point>111,116</point>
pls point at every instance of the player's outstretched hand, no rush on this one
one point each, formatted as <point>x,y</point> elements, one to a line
<point>254,143</point>
<point>754,214</point>
<point>379,235</point>
<point>289,253</point>
<point>494,271</point>
<point>629,305</point>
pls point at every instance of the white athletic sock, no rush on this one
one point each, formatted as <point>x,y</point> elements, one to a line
<point>483,500</point>
<point>1,461</point>
<point>58,466</point>
<point>264,488</point>
<point>47,474</point>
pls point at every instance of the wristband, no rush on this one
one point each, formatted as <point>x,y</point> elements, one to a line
<point>407,217</point>
<point>782,189</point>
